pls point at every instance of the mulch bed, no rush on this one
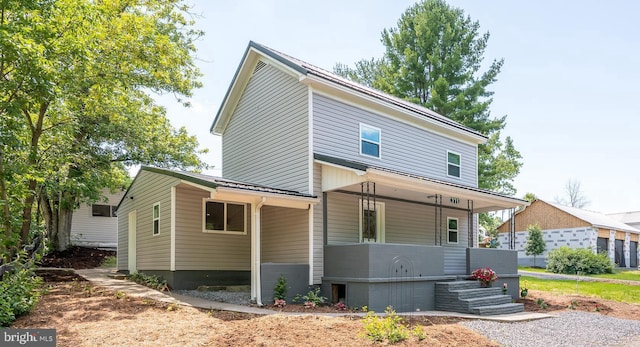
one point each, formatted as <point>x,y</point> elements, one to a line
<point>77,258</point>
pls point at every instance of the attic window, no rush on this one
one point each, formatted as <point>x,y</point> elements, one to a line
<point>259,66</point>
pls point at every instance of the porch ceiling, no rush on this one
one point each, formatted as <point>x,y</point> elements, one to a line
<point>414,188</point>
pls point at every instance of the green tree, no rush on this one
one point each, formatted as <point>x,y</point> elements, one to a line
<point>76,110</point>
<point>530,197</point>
<point>535,244</point>
<point>434,58</point>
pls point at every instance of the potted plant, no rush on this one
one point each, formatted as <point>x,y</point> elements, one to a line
<point>485,275</point>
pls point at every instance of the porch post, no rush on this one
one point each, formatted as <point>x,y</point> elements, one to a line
<point>256,290</point>
<point>512,229</point>
<point>470,228</point>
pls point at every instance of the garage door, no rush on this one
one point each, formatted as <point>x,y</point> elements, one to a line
<point>620,254</point>
<point>603,246</point>
<point>633,247</point>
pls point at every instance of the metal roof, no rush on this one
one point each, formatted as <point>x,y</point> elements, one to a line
<point>594,218</point>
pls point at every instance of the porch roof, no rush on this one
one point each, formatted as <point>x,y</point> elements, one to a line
<point>409,186</point>
<point>226,186</point>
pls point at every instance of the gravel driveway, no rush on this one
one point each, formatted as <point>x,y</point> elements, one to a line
<point>569,329</point>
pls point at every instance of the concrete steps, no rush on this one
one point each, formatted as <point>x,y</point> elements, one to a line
<point>470,297</point>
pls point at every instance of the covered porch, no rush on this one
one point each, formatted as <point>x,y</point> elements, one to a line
<point>391,236</point>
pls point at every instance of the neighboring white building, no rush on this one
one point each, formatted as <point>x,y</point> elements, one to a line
<point>96,225</point>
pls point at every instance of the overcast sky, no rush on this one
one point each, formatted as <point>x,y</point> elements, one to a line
<point>568,85</point>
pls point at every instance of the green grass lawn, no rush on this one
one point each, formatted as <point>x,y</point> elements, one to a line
<point>629,275</point>
<point>604,290</point>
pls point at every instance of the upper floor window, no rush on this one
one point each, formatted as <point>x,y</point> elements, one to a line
<point>452,228</point>
<point>225,217</point>
<point>156,218</point>
<point>453,164</point>
<point>369,140</point>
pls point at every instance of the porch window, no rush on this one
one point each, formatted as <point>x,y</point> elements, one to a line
<point>224,217</point>
<point>453,164</point>
<point>452,228</point>
<point>156,218</point>
<point>369,141</point>
<point>371,221</point>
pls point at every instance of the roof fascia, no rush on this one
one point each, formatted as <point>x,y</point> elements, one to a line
<point>350,96</point>
<point>241,78</point>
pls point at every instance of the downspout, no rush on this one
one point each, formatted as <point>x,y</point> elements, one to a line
<point>257,254</point>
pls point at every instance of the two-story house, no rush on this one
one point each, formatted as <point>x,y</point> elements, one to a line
<point>326,182</point>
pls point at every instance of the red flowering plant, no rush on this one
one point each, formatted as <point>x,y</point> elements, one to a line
<point>485,275</point>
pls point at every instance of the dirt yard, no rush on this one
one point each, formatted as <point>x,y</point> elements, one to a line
<point>88,316</point>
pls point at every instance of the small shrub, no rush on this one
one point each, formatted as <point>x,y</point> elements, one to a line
<point>120,295</point>
<point>19,292</point>
<point>280,289</point>
<point>279,303</point>
<point>419,332</point>
<point>574,305</point>
<point>340,306</point>
<point>389,328</point>
<point>311,299</point>
<point>151,281</point>
<point>173,307</point>
<point>108,262</point>
<point>570,261</point>
<point>504,288</point>
<point>540,302</point>
<point>524,291</point>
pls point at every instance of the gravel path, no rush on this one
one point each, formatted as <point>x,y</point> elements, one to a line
<point>238,298</point>
<point>569,329</point>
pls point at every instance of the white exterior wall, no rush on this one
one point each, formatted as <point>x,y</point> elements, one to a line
<point>90,231</point>
<point>582,237</point>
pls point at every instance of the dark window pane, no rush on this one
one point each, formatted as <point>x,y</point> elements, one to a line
<point>454,170</point>
<point>156,226</point>
<point>214,218</point>
<point>453,236</point>
<point>235,217</point>
<point>101,210</point>
<point>453,158</point>
<point>371,149</point>
<point>369,224</point>
<point>453,224</point>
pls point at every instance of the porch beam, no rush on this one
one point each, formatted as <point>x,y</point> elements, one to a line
<point>405,200</point>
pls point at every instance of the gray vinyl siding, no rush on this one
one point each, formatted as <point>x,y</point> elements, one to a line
<point>318,230</point>
<point>336,132</point>
<point>153,251</point>
<point>285,235</point>
<point>409,223</point>
<point>266,141</point>
<point>197,250</point>
<point>342,219</point>
<point>455,256</point>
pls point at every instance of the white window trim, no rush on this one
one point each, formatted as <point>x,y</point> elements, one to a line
<point>153,219</point>
<point>379,143</point>
<point>457,231</point>
<point>223,232</point>
<point>458,165</point>
<point>380,221</point>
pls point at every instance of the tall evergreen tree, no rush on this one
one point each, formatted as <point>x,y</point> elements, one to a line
<point>434,58</point>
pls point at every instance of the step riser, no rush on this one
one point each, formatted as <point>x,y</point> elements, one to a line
<point>470,297</point>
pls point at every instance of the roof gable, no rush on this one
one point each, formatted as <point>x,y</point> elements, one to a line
<point>555,216</point>
<point>328,81</point>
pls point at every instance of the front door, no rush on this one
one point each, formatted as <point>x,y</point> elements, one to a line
<point>132,243</point>
<point>371,221</point>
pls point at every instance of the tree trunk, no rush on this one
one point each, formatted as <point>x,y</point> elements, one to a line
<point>63,241</point>
<point>6,222</point>
<point>58,221</point>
